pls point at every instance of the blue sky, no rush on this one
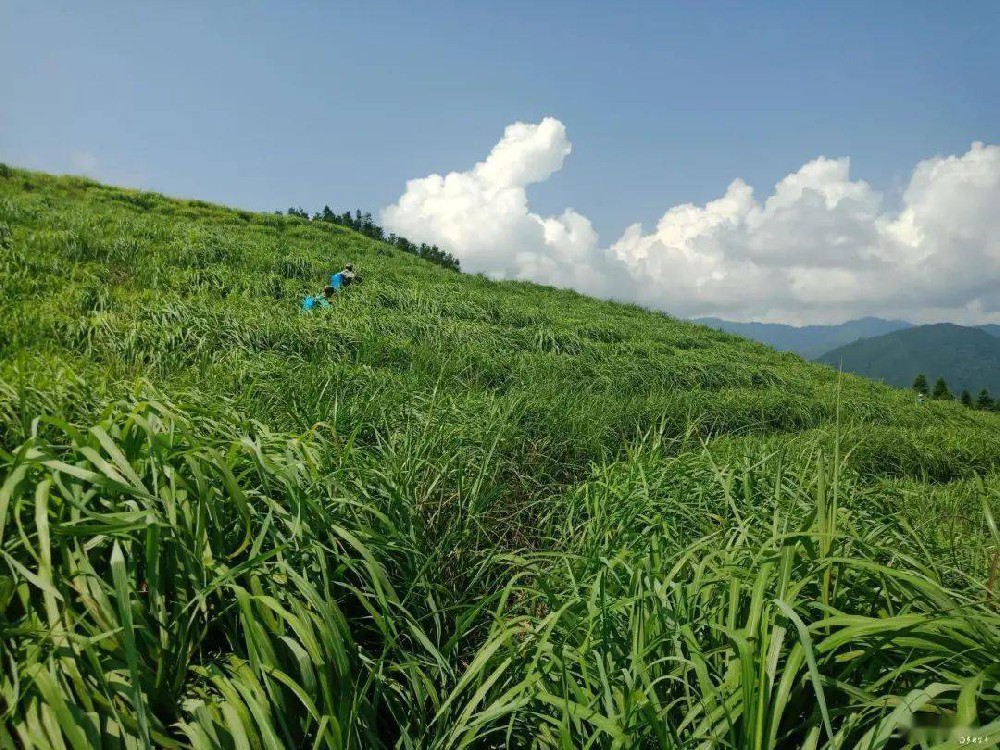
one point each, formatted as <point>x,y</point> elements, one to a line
<point>266,105</point>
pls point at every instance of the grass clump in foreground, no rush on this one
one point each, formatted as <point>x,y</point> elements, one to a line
<point>453,512</point>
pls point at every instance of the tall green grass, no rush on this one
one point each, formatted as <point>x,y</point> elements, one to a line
<point>453,512</point>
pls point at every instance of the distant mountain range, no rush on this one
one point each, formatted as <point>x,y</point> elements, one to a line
<point>965,357</point>
<point>809,341</point>
<point>814,341</point>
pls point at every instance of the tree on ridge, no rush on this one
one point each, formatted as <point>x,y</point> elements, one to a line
<point>941,391</point>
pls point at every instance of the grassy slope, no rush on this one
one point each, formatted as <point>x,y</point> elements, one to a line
<point>450,510</point>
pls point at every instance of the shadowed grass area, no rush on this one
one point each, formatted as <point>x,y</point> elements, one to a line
<point>453,512</point>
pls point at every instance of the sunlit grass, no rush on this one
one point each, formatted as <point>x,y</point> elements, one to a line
<point>453,512</point>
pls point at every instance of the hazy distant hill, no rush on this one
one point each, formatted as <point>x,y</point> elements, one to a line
<point>813,341</point>
<point>966,357</point>
<point>809,341</point>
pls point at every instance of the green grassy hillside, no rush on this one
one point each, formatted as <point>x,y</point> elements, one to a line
<point>450,511</point>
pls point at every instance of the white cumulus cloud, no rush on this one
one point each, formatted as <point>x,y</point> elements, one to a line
<point>821,247</point>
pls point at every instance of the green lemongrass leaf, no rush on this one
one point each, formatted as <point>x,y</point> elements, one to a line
<point>119,573</point>
<point>810,656</point>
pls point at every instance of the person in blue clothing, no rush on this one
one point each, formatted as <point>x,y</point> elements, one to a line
<point>343,278</point>
<point>320,300</point>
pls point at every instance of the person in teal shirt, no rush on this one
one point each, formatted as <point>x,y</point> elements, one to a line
<point>319,300</point>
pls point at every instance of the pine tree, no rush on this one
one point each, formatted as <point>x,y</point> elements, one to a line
<point>920,384</point>
<point>966,398</point>
<point>983,401</point>
<point>941,391</point>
